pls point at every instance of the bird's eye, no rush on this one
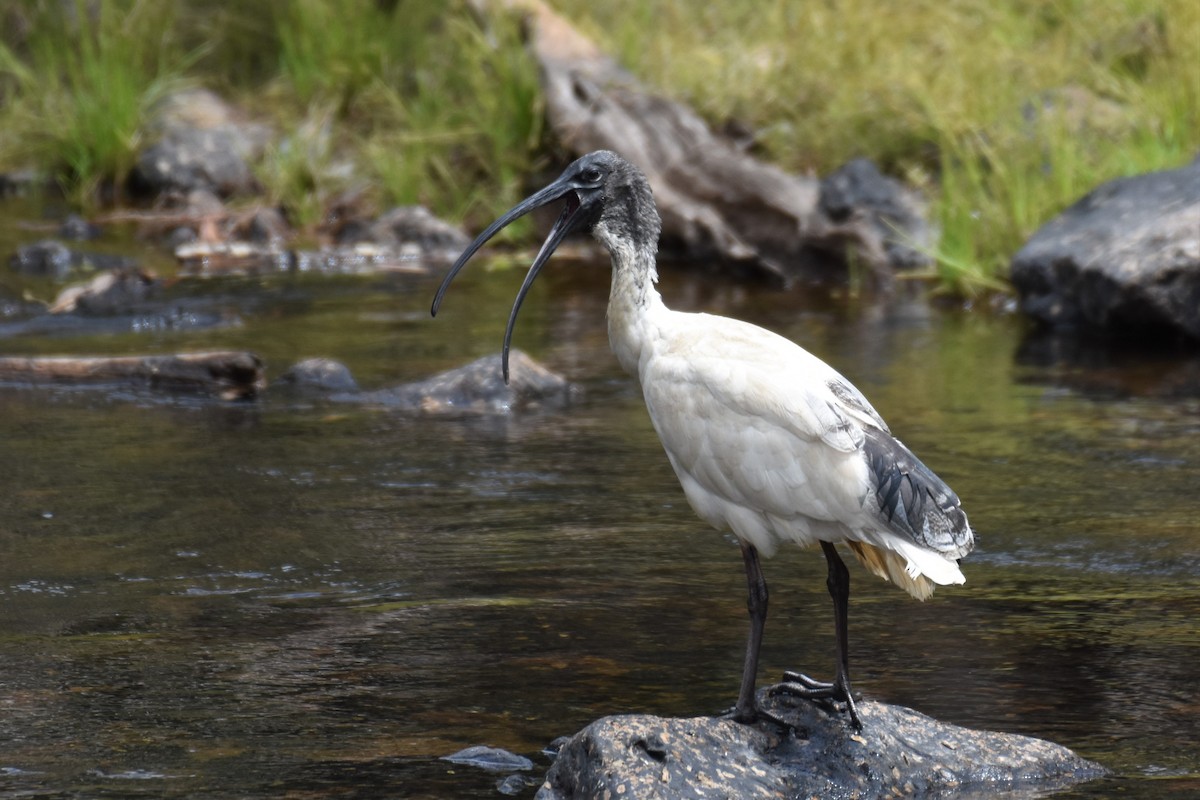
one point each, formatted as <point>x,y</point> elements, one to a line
<point>591,175</point>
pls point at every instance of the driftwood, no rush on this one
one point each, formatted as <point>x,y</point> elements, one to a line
<point>899,753</point>
<point>716,201</point>
<point>228,375</point>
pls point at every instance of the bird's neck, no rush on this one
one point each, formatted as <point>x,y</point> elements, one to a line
<point>633,303</point>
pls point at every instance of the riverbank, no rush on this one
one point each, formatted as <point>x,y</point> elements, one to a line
<point>1002,115</point>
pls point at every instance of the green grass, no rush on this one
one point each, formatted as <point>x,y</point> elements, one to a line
<point>78,89</point>
<point>941,93</point>
<point>1003,112</point>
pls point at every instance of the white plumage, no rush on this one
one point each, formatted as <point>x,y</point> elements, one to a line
<point>768,441</point>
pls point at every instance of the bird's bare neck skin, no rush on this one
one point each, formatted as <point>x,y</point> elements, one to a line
<point>633,301</point>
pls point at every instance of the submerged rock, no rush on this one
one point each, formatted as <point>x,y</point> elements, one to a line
<point>490,758</point>
<point>122,300</point>
<point>45,259</point>
<point>1124,261</point>
<point>118,291</point>
<point>321,374</point>
<point>900,753</point>
<point>477,388</point>
<point>51,258</point>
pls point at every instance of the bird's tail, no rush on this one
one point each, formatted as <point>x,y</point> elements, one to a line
<point>916,574</point>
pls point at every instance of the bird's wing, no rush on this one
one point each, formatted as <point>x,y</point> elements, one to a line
<point>751,372</point>
<point>758,439</point>
<point>853,401</point>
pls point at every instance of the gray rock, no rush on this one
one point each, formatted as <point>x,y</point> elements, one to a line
<point>409,226</point>
<point>1124,261</point>
<point>202,143</point>
<point>477,388</point>
<point>322,374</point>
<point>893,217</point>
<point>192,159</point>
<point>489,758</point>
<point>900,753</point>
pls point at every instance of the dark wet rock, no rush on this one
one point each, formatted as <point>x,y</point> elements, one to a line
<point>885,214</point>
<point>320,374</point>
<point>1123,262</point>
<point>122,300</point>
<point>490,758</point>
<point>173,317</point>
<point>119,291</point>
<point>14,308</point>
<point>900,753</point>
<point>409,226</point>
<point>45,259</point>
<point>264,226</point>
<point>203,143</point>
<point>227,375</point>
<point>477,388</point>
<point>51,258</point>
<point>77,228</point>
<point>515,784</point>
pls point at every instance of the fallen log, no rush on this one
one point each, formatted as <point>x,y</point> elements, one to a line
<point>716,200</point>
<point>228,375</point>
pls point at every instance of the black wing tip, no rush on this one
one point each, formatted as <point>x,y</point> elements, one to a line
<point>913,500</point>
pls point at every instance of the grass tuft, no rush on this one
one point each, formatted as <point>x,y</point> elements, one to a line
<point>78,89</point>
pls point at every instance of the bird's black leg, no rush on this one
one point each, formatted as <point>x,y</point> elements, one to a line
<point>794,683</point>
<point>839,589</point>
<point>756,604</point>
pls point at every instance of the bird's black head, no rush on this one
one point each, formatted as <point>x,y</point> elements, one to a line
<point>602,194</point>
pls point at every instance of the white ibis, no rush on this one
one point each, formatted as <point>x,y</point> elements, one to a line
<point>768,441</point>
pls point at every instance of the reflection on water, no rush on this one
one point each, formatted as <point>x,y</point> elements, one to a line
<point>305,599</point>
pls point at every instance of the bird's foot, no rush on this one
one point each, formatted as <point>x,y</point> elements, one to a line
<point>827,695</point>
<point>756,715</point>
<point>797,680</point>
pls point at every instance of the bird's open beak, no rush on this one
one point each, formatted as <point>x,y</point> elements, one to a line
<point>560,189</point>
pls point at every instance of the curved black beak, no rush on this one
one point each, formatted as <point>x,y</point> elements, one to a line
<point>560,189</point>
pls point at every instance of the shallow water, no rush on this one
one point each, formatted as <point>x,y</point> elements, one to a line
<point>302,599</point>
